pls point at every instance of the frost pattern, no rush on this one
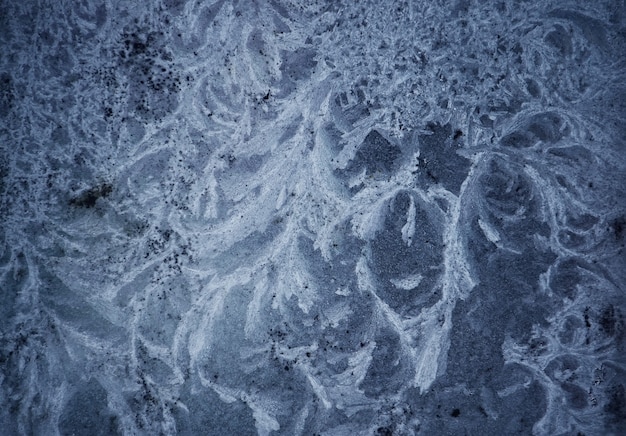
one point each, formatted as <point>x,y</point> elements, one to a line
<point>326,217</point>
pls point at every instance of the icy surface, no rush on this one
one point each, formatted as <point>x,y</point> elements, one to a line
<point>312,217</point>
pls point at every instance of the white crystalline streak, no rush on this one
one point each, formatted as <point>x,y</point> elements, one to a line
<point>491,233</point>
<point>408,283</point>
<point>282,196</point>
<point>408,230</point>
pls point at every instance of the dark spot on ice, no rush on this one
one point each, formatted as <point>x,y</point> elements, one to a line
<point>586,317</point>
<point>139,47</point>
<point>455,413</point>
<point>89,197</point>
<point>384,431</point>
<point>617,226</point>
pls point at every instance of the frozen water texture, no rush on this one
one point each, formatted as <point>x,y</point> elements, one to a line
<point>323,217</point>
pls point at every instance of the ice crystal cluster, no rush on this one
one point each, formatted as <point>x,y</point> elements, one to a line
<point>290,217</point>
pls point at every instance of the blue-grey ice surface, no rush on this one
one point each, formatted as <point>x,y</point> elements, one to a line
<point>289,217</point>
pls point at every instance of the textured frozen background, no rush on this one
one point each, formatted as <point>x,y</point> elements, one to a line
<point>312,217</point>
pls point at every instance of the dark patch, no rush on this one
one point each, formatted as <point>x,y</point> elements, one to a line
<point>376,155</point>
<point>61,136</point>
<point>455,413</point>
<point>617,227</point>
<point>576,396</point>
<point>298,64</point>
<point>439,161</point>
<point>547,127</point>
<point>533,88</point>
<point>609,320</point>
<point>518,140</point>
<point>7,96</point>
<point>384,431</point>
<point>87,412</point>
<point>486,121</point>
<point>89,198</point>
<point>616,407</point>
<point>383,377</point>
